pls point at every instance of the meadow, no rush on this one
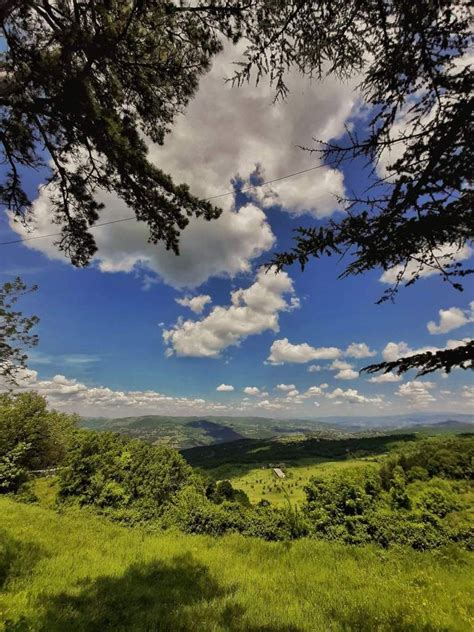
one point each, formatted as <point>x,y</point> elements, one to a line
<point>73,571</point>
<point>261,483</point>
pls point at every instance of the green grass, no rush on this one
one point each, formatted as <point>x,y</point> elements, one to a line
<point>74,572</point>
<point>263,484</point>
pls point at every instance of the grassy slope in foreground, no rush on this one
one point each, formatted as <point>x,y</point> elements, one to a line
<point>74,572</point>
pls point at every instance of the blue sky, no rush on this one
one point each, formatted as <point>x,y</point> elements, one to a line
<point>102,332</point>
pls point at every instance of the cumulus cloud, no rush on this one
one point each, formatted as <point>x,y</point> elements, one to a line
<point>224,247</point>
<point>316,390</point>
<point>385,377</point>
<point>345,370</point>
<point>451,318</point>
<point>285,387</point>
<point>359,350</point>
<point>445,255</point>
<point>224,388</point>
<point>226,131</point>
<point>235,129</point>
<point>347,374</point>
<point>252,390</point>
<point>352,396</point>
<point>314,368</point>
<point>270,405</point>
<point>195,303</point>
<point>252,311</point>
<point>417,393</point>
<point>72,395</point>
<point>395,350</point>
<point>283,351</point>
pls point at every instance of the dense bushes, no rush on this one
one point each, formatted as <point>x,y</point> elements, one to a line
<point>31,438</point>
<point>117,474</point>
<point>449,457</point>
<point>416,497</point>
<point>397,503</point>
<point>409,501</point>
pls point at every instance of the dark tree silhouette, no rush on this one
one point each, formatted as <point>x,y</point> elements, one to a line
<point>418,216</point>
<point>15,330</point>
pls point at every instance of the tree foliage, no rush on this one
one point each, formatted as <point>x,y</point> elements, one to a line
<point>417,215</point>
<point>15,330</point>
<point>122,475</point>
<point>31,437</point>
<point>83,83</point>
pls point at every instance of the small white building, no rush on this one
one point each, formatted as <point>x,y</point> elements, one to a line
<point>280,473</point>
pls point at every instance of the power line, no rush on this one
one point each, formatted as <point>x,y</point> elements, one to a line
<point>213,197</point>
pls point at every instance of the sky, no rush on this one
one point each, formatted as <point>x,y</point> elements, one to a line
<point>141,331</point>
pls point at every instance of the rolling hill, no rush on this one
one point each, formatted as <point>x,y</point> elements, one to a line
<point>189,432</point>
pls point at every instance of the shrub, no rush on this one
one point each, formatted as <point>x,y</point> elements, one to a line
<point>437,502</point>
<point>115,473</point>
<point>26,420</point>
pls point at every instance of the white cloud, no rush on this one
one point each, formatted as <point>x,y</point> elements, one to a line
<point>233,129</point>
<point>285,387</point>
<point>79,359</point>
<point>385,377</point>
<point>72,359</point>
<point>252,390</point>
<point>347,374</point>
<point>340,365</point>
<point>417,393</point>
<point>71,395</point>
<point>195,303</point>
<point>225,388</point>
<point>224,247</point>
<point>451,318</point>
<point>345,370</point>
<point>352,396</point>
<point>226,131</point>
<point>445,255</point>
<point>316,390</point>
<point>314,368</point>
<point>270,405</point>
<point>283,351</point>
<point>359,350</point>
<point>395,350</point>
<point>252,311</point>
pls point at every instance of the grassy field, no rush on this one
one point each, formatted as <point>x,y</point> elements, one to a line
<point>263,484</point>
<point>74,572</point>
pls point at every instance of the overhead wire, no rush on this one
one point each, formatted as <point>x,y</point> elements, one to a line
<point>208,199</point>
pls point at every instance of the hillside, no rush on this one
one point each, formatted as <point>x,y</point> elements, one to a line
<point>77,573</point>
<point>186,432</point>
<point>189,432</point>
<point>247,454</point>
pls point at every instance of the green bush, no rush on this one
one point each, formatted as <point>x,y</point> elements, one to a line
<point>13,473</point>
<point>26,421</point>
<point>114,473</point>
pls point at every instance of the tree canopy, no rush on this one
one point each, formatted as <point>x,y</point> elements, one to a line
<point>15,330</point>
<point>86,84</point>
<point>31,437</point>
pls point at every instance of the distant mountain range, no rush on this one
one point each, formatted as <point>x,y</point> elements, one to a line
<point>187,432</point>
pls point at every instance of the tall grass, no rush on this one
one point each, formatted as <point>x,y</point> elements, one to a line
<point>74,572</point>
